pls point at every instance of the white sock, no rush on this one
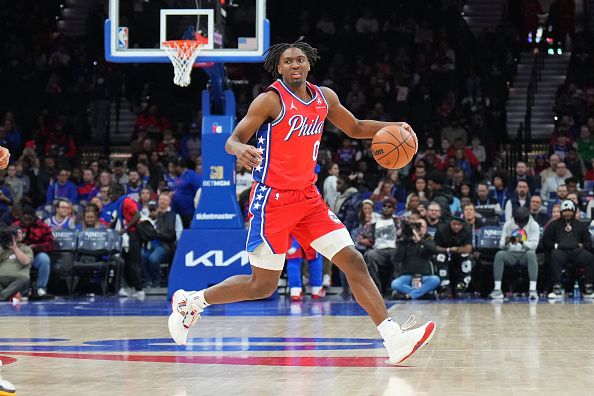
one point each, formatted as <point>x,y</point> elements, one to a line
<point>198,299</point>
<point>497,285</point>
<point>532,285</point>
<point>388,327</point>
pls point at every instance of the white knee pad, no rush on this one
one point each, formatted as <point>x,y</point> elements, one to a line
<point>262,257</point>
<point>333,242</point>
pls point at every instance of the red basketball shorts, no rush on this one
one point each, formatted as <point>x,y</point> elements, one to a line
<point>276,214</point>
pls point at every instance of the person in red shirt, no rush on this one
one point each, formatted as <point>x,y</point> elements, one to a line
<point>38,236</point>
<point>125,213</point>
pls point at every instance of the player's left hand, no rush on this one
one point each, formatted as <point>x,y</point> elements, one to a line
<point>409,129</point>
<point>4,157</point>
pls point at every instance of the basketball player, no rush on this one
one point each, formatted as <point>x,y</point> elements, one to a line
<point>4,157</point>
<point>289,119</point>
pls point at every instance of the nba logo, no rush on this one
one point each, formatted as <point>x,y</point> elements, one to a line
<point>122,38</point>
<point>216,128</point>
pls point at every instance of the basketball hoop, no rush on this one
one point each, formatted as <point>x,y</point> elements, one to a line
<point>182,54</point>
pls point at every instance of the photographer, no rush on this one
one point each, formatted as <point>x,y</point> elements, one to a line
<point>519,240</point>
<point>413,256</point>
<point>569,242</point>
<point>454,246</point>
<point>15,263</point>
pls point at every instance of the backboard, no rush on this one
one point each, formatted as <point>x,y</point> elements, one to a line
<point>237,30</point>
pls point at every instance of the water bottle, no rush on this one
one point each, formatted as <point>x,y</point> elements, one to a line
<point>576,291</point>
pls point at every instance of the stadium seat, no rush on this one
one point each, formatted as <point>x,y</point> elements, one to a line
<point>62,257</point>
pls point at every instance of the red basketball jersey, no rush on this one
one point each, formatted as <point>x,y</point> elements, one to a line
<point>290,144</point>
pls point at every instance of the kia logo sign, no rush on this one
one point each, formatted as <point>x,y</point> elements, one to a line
<point>215,258</point>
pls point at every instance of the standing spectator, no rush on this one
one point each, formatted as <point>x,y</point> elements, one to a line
<point>63,219</point>
<point>454,246</point>
<point>126,216</point>
<point>170,176</point>
<point>569,242</point>
<point>413,256</point>
<point>188,183</point>
<point>38,236</point>
<point>380,256</point>
<point>536,212</point>
<point>62,188</point>
<point>518,242</point>
<point>146,195</point>
<point>521,198</point>
<point>15,265</point>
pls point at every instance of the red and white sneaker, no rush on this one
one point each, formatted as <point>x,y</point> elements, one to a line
<point>402,345</point>
<point>318,293</point>
<point>296,294</point>
<point>183,316</point>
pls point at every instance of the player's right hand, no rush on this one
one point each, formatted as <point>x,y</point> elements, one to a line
<point>249,156</point>
<point>4,157</point>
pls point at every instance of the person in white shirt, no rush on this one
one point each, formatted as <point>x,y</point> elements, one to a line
<point>243,179</point>
<point>519,241</point>
<point>554,160</point>
<point>552,183</point>
<point>330,192</point>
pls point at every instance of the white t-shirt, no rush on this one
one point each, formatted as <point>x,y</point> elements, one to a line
<point>385,234</point>
<point>243,182</point>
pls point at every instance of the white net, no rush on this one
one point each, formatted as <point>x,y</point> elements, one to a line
<point>182,54</point>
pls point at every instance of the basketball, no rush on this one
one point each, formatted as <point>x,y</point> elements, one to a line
<point>393,147</point>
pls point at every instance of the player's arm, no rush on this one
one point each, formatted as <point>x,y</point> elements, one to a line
<point>344,120</point>
<point>266,106</point>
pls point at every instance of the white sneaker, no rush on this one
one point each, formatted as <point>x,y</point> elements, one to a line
<point>402,345</point>
<point>41,292</point>
<point>138,294</point>
<point>124,292</point>
<point>183,316</point>
<point>326,280</point>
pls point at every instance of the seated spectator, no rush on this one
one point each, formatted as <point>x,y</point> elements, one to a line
<point>413,258</point>
<point>119,173</point>
<point>134,185</point>
<point>105,179</point>
<point>62,188</point>
<point>38,236</point>
<point>541,218</point>
<point>578,213</point>
<point>454,246</point>
<point>552,183</point>
<point>499,191</point>
<point>346,155</point>
<point>14,183</point>
<point>420,188</point>
<point>361,234</point>
<point>585,144</point>
<point>87,185</point>
<point>347,203</point>
<point>160,249</point>
<point>521,198</point>
<point>412,203</point>
<point>519,241</point>
<point>560,147</point>
<point>522,174</point>
<point>478,150</point>
<point>440,194</point>
<point>15,266</point>
<point>146,195</point>
<point>91,218</point>
<point>574,163</point>
<point>551,171</point>
<point>60,144</point>
<point>484,200</point>
<point>474,221</point>
<point>5,196</point>
<point>191,144</point>
<point>147,175</point>
<point>434,217</point>
<point>382,192</point>
<point>569,242</point>
<point>63,219</point>
<point>152,121</point>
<point>12,215</point>
<point>380,256</point>
<point>169,146</point>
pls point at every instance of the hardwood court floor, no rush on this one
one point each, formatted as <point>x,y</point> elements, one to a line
<point>122,347</point>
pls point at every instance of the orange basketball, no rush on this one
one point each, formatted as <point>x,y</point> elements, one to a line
<point>393,147</point>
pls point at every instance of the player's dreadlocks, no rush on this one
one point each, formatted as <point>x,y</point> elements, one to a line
<point>275,52</point>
